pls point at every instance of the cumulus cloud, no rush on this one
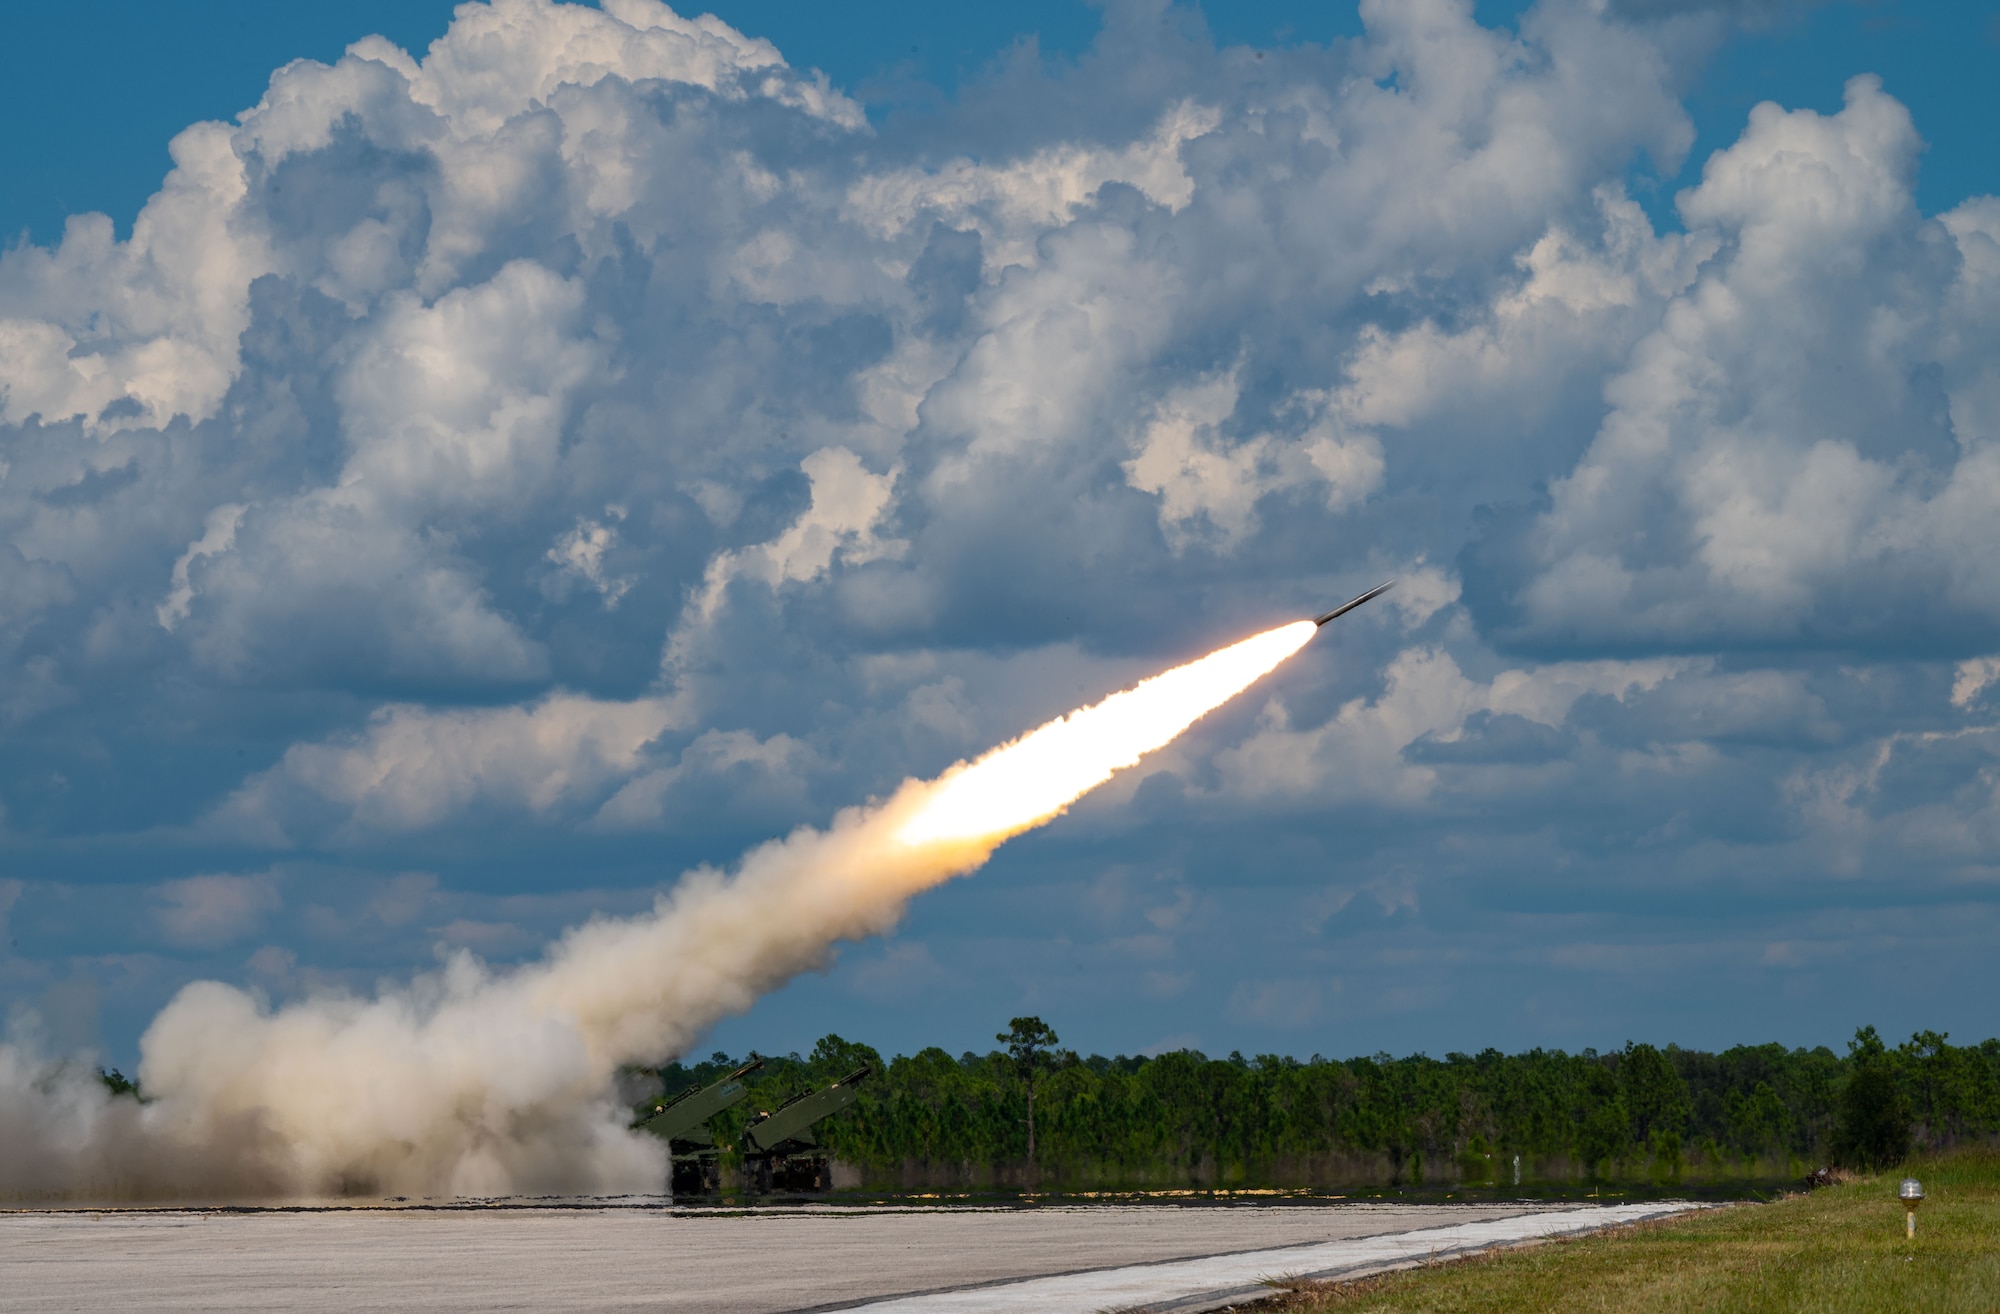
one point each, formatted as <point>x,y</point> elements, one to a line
<point>1796,452</point>
<point>1200,476</point>
<point>1362,751</point>
<point>1012,202</point>
<point>731,759</point>
<point>596,428</point>
<point>847,501</point>
<point>413,767</point>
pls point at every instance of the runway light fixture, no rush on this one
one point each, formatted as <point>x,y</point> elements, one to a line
<point>1912,1195</point>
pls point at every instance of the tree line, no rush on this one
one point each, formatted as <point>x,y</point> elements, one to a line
<point>1641,1114</point>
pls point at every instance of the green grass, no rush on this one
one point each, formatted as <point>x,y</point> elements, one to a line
<point>1840,1248</point>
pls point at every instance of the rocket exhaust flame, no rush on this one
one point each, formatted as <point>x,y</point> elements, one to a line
<point>1025,783</point>
<point>475,1082</point>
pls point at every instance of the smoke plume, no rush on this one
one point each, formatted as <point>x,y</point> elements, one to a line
<point>476,1082</point>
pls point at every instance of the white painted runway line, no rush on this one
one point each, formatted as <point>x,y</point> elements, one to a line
<point>1185,1286</point>
<point>763,1261</point>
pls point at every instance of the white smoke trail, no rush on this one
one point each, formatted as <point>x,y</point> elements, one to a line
<point>481,1083</point>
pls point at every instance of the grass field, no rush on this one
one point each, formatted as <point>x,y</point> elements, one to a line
<point>1840,1248</point>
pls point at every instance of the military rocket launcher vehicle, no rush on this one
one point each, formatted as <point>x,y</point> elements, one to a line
<point>780,1152</point>
<point>683,1123</point>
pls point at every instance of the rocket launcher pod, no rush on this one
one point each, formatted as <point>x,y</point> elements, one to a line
<point>681,1118</point>
<point>791,1122</point>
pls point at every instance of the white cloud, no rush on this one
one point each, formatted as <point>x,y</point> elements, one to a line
<point>1573,302</point>
<point>1974,675</point>
<point>413,768</point>
<point>1035,379</point>
<point>1199,475</point>
<point>134,333</point>
<point>731,759</point>
<point>847,502</point>
<point>865,449</point>
<point>217,537</point>
<point>1358,755</point>
<point>316,584</point>
<point>416,196</point>
<point>1780,447</point>
<point>1011,202</point>
<point>580,552</point>
<point>1421,592</point>
<point>460,402</point>
<point>484,366</point>
<point>1180,458</point>
<point>1902,800</point>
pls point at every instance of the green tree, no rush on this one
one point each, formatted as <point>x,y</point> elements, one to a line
<point>1181,1118</point>
<point>1657,1102</point>
<point>1874,1127</point>
<point>1028,1041</point>
<point>833,1058</point>
<point>119,1084</point>
<point>1938,1085</point>
<point>1603,1127</point>
<point>1656,1098</point>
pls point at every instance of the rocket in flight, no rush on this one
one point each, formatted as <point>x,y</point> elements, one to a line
<point>1350,605</point>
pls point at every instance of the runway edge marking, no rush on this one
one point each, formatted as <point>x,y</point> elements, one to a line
<point>1085,1291</point>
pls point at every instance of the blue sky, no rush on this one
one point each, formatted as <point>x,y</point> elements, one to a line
<point>128,75</point>
<point>481,490</point>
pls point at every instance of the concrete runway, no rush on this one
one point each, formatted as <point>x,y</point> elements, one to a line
<point>772,1261</point>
